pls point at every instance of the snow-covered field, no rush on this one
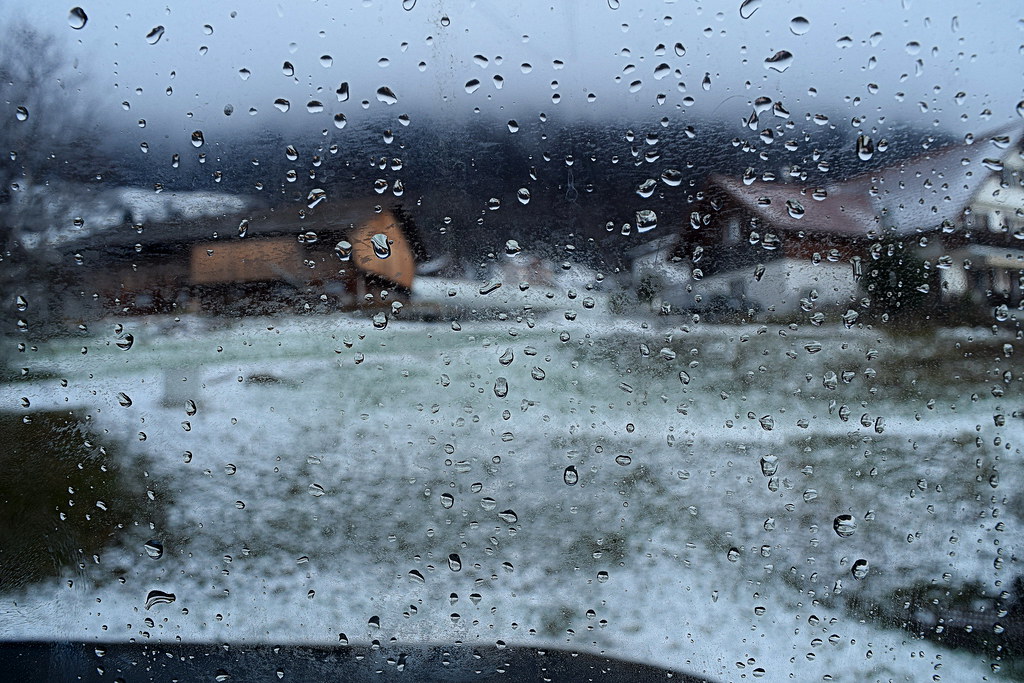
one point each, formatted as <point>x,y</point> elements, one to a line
<point>616,497</point>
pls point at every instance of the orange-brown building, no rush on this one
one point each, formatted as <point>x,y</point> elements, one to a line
<point>334,256</point>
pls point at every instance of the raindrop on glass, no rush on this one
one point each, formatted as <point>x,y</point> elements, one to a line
<point>77,18</point>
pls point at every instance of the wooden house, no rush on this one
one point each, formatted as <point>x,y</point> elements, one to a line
<point>336,255</point>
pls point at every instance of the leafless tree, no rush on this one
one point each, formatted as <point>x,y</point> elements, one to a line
<point>43,122</point>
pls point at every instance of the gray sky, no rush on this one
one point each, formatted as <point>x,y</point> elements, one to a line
<point>893,56</point>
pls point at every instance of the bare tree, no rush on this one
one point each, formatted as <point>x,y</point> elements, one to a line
<point>43,121</point>
<point>45,117</point>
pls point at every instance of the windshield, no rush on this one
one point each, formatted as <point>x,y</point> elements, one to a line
<point>683,334</point>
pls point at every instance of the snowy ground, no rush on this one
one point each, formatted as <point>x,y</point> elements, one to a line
<point>335,469</point>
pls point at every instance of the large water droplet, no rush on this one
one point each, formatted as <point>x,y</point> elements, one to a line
<point>454,562</point>
<point>344,250</point>
<point>844,525</point>
<point>282,104</point>
<point>315,196</point>
<point>154,548</point>
<point>748,7</point>
<point>508,516</point>
<point>799,26</point>
<point>447,501</point>
<point>537,374</point>
<point>156,597</point>
<point>646,220</point>
<point>155,34</point>
<point>769,465</point>
<point>21,113</point>
<point>77,18</point>
<point>506,357</point>
<point>316,490</point>
<point>381,245</point>
<point>780,61</point>
<point>501,387</point>
<point>570,476</point>
<point>197,138</point>
<point>124,399</point>
<point>767,423</point>
<point>472,85</point>
<point>647,188</point>
<point>326,61</point>
<point>795,209</point>
<point>865,147</point>
<point>243,227</point>
<point>860,569</point>
<point>386,95</point>
<point>523,195</point>
<point>125,342</point>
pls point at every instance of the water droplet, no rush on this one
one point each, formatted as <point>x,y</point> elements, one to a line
<point>810,495</point>
<point>865,147</point>
<point>769,465</point>
<point>344,250</point>
<point>316,490</point>
<point>537,373</point>
<point>767,423</point>
<point>314,106</point>
<point>748,7</point>
<point>155,598</point>
<point>623,460</point>
<point>472,85</point>
<point>282,104</point>
<point>124,399</point>
<point>844,525</point>
<point>489,286</point>
<point>508,516</point>
<point>342,92</point>
<point>614,4</point>
<point>244,74</point>
<point>77,18</point>
<point>154,548</point>
<point>381,245</point>
<point>799,26</point>
<point>523,195</point>
<point>647,188</point>
<point>733,555</point>
<point>386,95</point>
<point>315,196</point>
<point>380,321</point>
<point>780,61</point>
<point>340,121</point>
<point>125,342</point>
<point>155,34</point>
<point>602,577</point>
<point>326,61</point>
<point>447,501</point>
<point>646,220</point>
<point>860,569</point>
<point>501,387</point>
<point>513,126</point>
<point>21,113</point>
<point>795,209</point>
<point>454,562</point>
<point>197,138</point>
<point>570,476</point>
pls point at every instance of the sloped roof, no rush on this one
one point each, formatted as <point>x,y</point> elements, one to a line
<point>843,209</point>
<point>915,195</point>
<point>923,192</point>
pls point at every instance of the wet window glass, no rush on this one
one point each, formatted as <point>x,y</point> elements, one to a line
<point>602,341</point>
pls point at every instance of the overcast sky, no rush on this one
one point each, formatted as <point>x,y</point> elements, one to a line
<point>895,57</point>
